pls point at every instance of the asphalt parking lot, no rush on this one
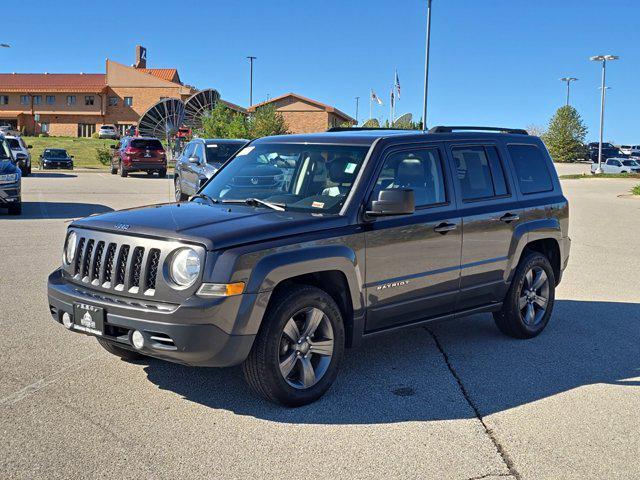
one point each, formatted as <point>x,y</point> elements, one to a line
<point>456,400</point>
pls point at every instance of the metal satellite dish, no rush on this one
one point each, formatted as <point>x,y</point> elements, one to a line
<point>198,104</point>
<point>163,119</point>
<point>371,123</point>
<point>404,119</point>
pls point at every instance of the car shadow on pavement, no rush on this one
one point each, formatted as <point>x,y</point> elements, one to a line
<point>51,175</point>
<point>56,210</point>
<point>404,376</point>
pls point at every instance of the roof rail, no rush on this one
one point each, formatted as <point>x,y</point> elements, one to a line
<point>450,129</point>
<point>358,129</point>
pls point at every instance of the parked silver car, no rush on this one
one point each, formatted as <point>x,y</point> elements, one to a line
<point>108,131</point>
<point>200,159</point>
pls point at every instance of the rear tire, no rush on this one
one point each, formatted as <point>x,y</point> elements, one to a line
<point>123,172</point>
<point>123,353</point>
<point>162,173</point>
<point>297,372</point>
<point>15,209</point>
<point>114,170</point>
<point>528,304</point>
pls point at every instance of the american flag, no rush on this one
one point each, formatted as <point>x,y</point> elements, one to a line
<point>397,85</point>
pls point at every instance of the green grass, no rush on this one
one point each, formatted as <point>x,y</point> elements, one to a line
<point>636,190</point>
<point>604,175</point>
<point>82,149</point>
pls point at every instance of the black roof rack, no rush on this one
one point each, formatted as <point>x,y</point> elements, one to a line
<point>358,129</point>
<point>448,129</point>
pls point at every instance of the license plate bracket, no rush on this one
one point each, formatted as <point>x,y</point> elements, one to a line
<point>88,318</point>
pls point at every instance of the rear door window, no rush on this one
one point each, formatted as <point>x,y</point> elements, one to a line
<point>531,169</point>
<point>479,172</point>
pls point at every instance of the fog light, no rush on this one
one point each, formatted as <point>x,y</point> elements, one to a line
<point>137,339</point>
<point>66,320</point>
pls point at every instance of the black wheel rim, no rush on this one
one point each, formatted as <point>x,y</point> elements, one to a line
<point>306,348</point>
<point>533,300</point>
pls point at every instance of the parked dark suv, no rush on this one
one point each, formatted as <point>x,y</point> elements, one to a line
<point>365,233</point>
<point>139,154</point>
<point>200,159</point>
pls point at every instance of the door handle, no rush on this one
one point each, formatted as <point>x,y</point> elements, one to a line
<point>509,217</point>
<point>445,227</point>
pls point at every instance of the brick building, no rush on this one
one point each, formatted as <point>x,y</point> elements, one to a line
<point>304,115</point>
<point>77,104</point>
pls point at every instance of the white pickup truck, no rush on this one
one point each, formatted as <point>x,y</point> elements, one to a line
<point>617,165</point>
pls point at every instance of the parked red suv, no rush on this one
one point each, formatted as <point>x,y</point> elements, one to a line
<point>139,154</point>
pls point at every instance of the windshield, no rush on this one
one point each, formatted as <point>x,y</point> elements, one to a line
<point>5,152</point>
<point>13,143</point>
<point>308,178</point>
<point>221,152</point>
<point>55,153</point>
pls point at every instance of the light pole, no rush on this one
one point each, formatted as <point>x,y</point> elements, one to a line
<point>426,67</point>
<point>568,80</point>
<point>603,59</point>
<point>251,59</point>
<point>357,102</point>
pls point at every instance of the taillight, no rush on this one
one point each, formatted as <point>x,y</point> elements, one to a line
<point>161,152</point>
<point>131,150</point>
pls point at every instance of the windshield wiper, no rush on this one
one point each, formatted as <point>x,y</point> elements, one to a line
<point>257,202</point>
<point>205,196</point>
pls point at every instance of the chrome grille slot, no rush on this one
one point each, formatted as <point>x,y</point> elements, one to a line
<point>152,268</point>
<point>94,273</point>
<point>76,266</point>
<point>121,266</point>
<point>108,267</point>
<point>86,261</point>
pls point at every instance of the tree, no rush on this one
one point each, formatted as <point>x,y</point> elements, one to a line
<point>222,122</point>
<point>565,136</point>
<point>267,121</point>
<point>536,130</point>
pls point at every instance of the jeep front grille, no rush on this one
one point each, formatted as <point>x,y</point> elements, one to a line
<point>114,266</point>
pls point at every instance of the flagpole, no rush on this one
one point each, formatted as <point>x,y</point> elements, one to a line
<point>371,105</point>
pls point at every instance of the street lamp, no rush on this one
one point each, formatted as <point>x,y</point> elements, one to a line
<point>568,80</point>
<point>251,59</point>
<point>603,59</point>
<point>357,102</point>
<point>426,67</point>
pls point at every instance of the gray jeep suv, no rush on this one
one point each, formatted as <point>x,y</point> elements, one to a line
<point>303,245</point>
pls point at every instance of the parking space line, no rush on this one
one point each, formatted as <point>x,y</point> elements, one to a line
<point>42,383</point>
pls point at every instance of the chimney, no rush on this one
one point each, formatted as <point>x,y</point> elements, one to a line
<point>141,57</point>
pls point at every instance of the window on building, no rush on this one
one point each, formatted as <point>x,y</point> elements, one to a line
<point>479,171</point>
<point>89,100</point>
<point>51,99</point>
<point>124,129</point>
<point>24,99</point>
<point>44,127</point>
<point>113,101</point>
<point>4,99</point>
<point>37,99</point>
<point>128,101</point>
<point>531,168</point>
<point>71,99</point>
<point>86,129</point>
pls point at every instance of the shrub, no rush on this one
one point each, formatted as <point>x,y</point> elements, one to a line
<point>103,155</point>
<point>42,135</point>
<point>95,135</point>
<point>636,190</point>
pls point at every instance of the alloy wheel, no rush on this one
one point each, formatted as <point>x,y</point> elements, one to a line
<point>306,348</point>
<point>533,300</point>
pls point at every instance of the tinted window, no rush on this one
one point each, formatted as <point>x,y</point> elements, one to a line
<point>221,152</point>
<point>479,171</point>
<point>418,170</point>
<point>531,168</point>
<point>13,143</point>
<point>626,163</point>
<point>55,153</point>
<point>146,144</point>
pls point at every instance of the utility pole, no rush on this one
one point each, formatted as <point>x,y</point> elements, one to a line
<point>251,59</point>
<point>426,67</point>
<point>357,101</point>
<point>603,59</point>
<point>568,80</point>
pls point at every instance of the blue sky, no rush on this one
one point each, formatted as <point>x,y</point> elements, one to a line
<point>493,62</point>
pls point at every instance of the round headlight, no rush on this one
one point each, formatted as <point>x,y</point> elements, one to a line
<point>70,248</point>
<point>185,267</point>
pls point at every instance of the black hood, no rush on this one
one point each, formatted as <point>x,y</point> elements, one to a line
<point>7,166</point>
<point>214,226</point>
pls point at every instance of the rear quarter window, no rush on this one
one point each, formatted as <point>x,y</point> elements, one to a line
<point>531,169</point>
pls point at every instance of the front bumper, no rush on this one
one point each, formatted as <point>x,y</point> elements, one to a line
<point>9,194</point>
<point>53,164</point>
<point>182,333</point>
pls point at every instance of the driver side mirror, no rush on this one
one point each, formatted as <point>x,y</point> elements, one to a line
<point>393,201</point>
<point>194,159</point>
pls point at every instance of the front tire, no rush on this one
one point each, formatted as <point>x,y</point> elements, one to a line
<point>162,173</point>
<point>180,197</point>
<point>299,347</point>
<point>529,302</point>
<point>15,209</point>
<point>123,353</point>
